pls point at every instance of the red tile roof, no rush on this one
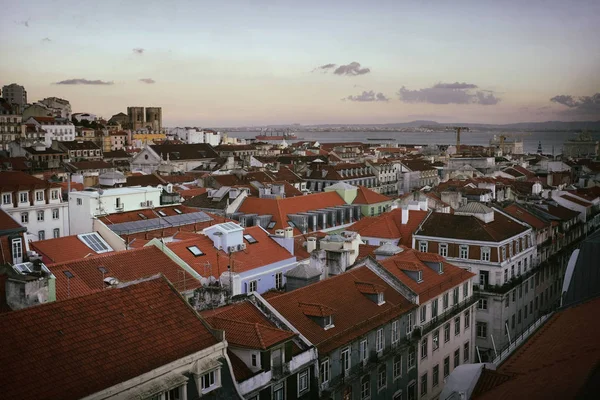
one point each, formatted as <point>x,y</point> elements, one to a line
<point>132,216</point>
<point>16,180</point>
<point>575,200</point>
<point>281,208</point>
<point>523,215</point>
<point>126,266</point>
<point>365,250</point>
<point>558,361</point>
<point>433,283</point>
<point>62,249</point>
<point>264,252</point>
<point>74,348</point>
<point>389,225</point>
<point>7,223</point>
<point>354,314</point>
<point>189,193</point>
<point>368,196</point>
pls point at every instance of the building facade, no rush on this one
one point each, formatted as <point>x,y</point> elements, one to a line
<point>15,94</point>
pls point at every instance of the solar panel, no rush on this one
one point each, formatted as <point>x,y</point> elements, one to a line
<point>195,251</point>
<point>271,225</point>
<point>69,274</point>
<point>95,242</point>
<point>157,223</point>
<point>250,239</point>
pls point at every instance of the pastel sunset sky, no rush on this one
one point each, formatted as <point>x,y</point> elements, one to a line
<point>232,63</point>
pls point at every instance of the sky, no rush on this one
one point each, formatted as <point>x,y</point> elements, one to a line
<point>241,63</point>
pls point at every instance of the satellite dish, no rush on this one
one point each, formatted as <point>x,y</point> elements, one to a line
<point>100,191</point>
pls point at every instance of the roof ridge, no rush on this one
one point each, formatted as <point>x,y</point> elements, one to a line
<point>107,254</point>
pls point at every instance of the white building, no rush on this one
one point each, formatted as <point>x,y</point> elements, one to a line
<point>85,117</point>
<point>60,108</point>
<point>35,204</point>
<point>196,135</point>
<point>58,129</point>
<point>84,206</point>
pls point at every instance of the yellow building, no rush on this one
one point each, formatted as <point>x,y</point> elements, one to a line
<point>147,138</point>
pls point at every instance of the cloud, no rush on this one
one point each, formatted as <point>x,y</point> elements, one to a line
<point>367,96</point>
<point>579,106</point>
<point>139,50</point>
<point>455,85</point>
<point>324,68</point>
<point>24,23</point>
<point>352,69</point>
<point>449,93</point>
<point>46,39</point>
<point>147,80</point>
<point>81,81</point>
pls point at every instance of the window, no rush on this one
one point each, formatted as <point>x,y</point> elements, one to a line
<point>434,308</point>
<point>467,319</point>
<point>514,295</point>
<point>174,394</point>
<point>510,249</point>
<point>209,381</point>
<point>409,324</point>
<point>279,392</point>
<point>423,313</point>
<point>455,296</point>
<point>435,376</point>
<point>56,233</point>
<point>517,246</point>
<point>279,280</point>
<point>40,215</point>
<point>41,235</point>
<point>397,371</point>
<point>466,353</point>
<point>464,251</point>
<point>346,359</point>
<point>250,239</point>
<point>412,391</point>
<point>456,326</point>
<point>79,202</point>
<point>484,277</point>
<point>17,250</point>
<point>446,300</point>
<point>435,340</point>
<point>482,304</point>
<point>381,377</point>
<point>324,371</point>
<point>507,301</point>
<point>23,197</point>
<point>39,195</point>
<point>395,335</point>
<point>423,246</point>
<point>505,275</point>
<point>55,214</point>
<point>380,299</point>
<point>424,384</point>
<point>365,388</point>
<point>519,317</point>
<point>521,291</point>
<point>525,311</point>
<point>443,249</point>
<point>6,198</point>
<point>380,340</point>
<point>446,366</point>
<point>254,360</point>
<point>303,382</point>
<point>526,287</point>
<point>485,254</point>
<point>271,225</point>
<point>253,286</point>
<point>424,348</point>
<point>503,253</point>
<point>162,213</point>
<point>372,210</point>
<point>447,333</point>
<point>411,357</point>
<point>24,218</point>
<point>465,290</point>
<point>456,358</point>
<point>364,350</point>
<point>54,194</point>
<point>481,329</point>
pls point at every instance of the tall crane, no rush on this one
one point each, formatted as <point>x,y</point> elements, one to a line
<point>458,129</point>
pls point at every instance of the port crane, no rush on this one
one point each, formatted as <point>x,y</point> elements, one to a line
<point>458,129</point>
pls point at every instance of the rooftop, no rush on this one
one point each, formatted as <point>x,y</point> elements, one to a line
<point>102,339</point>
<point>368,196</point>
<point>65,248</point>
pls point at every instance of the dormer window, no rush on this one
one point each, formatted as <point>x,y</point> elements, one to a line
<point>423,246</point>
<point>327,322</point>
<point>39,195</point>
<point>419,276</point>
<point>380,299</point>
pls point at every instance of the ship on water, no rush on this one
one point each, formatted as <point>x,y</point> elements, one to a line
<point>275,135</point>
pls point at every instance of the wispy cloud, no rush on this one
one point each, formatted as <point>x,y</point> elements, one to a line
<point>582,106</point>
<point>139,50</point>
<point>24,23</point>
<point>324,68</point>
<point>367,96</point>
<point>147,80</point>
<point>81,81</point>
<point>449,93</point>
<point>46,39</point>
<point>352,69</point>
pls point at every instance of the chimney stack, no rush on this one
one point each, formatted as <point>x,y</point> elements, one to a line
<point>311,244</point>
<point>405,215</point>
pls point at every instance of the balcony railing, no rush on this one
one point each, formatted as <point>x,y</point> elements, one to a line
<point>448,314</point>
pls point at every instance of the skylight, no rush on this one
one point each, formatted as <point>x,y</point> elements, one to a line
<point>103,270</point>
<point>271,225</point>
<point>142,216</point>
<point>195,251</point>
<point>162,213</point>
<point>250,239</point>
<point>177,210</point>
<point>69,274</point>
<point>95,242</point>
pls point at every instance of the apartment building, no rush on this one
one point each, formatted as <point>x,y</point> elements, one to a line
<point>319,176</point>
<point>10,123</point>
<point>34,203</point>
<point>58,129</point>
<point>501,251</point>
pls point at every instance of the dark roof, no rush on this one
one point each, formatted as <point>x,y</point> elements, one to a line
<point>74,348</point>
<point>17,180</point>
<point>82,165</point>
<point>203,201</point>
<point>8,225</point>
<point>116,154</point>
<point>468,227</point>
<point>49,150</point>
<point>585,281</point>
<point>79,145</point>
<point>185,151</point>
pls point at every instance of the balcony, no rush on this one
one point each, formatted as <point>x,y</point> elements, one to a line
<point>449,314</point>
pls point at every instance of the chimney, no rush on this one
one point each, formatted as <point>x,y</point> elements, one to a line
<point>405,214</point>
<point>311,244</point>
<point>289,232</point>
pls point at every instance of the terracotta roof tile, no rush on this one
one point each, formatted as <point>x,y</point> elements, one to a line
<point>389,226</point>
<point>62,249</point>
<point>7,223</point>
<point>369,288</point>
<point>368,196</point>
<point>315,310</point>
<point>102,339</point>
<point>354,314</point>
<point>433,283</point>
<point>524,215</point>
<point>575,200</point>
<point>126,266</point>
<point>250,335</point>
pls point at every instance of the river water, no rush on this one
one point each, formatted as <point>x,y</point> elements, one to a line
<point>551,141</point>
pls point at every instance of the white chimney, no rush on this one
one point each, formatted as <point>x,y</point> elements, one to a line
<point>311,244</point>
<point>405,214</point>
<point>280,233</point>
<point>289,232</point>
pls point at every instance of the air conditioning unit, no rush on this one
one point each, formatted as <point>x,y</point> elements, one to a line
<point>232,249</point>
<point>143,204</point>
<point>242,246</point>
